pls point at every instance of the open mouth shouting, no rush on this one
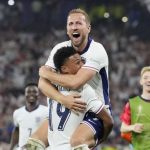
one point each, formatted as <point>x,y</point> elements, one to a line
<point>76,38</point>
<point>76,35</point>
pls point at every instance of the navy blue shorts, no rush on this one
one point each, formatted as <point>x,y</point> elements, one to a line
<point>95,124</point>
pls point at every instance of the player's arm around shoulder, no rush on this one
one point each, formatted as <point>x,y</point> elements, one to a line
<point>48,89</point>
<point>82,77</point>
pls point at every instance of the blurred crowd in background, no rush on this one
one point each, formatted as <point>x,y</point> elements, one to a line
<point>30,28</point>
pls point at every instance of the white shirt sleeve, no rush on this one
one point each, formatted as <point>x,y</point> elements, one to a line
<point>46,112</point>
<point>94,104</point>
<point>96,58</point>
<point>50,61</point>
<point>15,118</point>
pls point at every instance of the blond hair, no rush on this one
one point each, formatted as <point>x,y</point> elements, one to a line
<point>144,69</point>
<point>78,10</point>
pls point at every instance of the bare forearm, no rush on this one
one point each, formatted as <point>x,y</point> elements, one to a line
<point>70,81</point>
<point>49,90</point>
<point>68,101</point>
<point>14,139</point>
<point>137,127</point>
<point>62,80</point>
<point>126,128</point>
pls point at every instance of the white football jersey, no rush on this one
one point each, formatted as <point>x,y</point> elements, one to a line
<point>96,59</point>
<point>28,122</point>
<point>63,122</point>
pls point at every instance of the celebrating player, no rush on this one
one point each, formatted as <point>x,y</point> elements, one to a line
<point>27,118</point>
<point>94,71</point>
<point>63,121</point>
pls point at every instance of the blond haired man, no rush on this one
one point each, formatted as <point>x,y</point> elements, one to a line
<point>136,115</point>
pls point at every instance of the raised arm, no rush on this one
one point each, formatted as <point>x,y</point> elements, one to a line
<point>69,101</point>
<point>66,80</point>
<point>14,138</point>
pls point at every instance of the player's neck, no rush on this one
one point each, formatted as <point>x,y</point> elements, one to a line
<point>82,46</point>
<point>31,106</point>
<point>146,95</point>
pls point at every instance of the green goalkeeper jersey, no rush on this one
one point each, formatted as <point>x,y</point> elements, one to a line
<point>140,113</point>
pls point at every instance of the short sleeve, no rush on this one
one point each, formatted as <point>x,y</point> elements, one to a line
<point>126,115</point>
<point>94,104</point>
<point>46,112</point>
<point>96,58</point>
<point>15,119</point>
<point>50,61</point>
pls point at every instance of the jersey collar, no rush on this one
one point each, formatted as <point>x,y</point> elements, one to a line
<point>87,46</point>
<point>32,109</point>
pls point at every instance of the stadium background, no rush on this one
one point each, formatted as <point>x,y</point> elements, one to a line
<point>30,28</point>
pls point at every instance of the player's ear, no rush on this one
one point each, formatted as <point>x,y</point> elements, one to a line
<point>89,28</point>
<point>140,81</point>
<point>64,69</point>
<point>66,31</point>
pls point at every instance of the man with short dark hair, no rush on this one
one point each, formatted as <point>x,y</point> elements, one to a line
<point>64,122</point>
<point>27,118</point>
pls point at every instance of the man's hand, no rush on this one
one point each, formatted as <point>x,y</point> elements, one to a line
<point>138,128</point>
<point>74,103</point>
<point>44,70</point>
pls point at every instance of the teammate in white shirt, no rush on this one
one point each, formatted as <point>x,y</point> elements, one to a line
<point>27,118</point>
<point>94,72</point>
<point>62,121</point>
